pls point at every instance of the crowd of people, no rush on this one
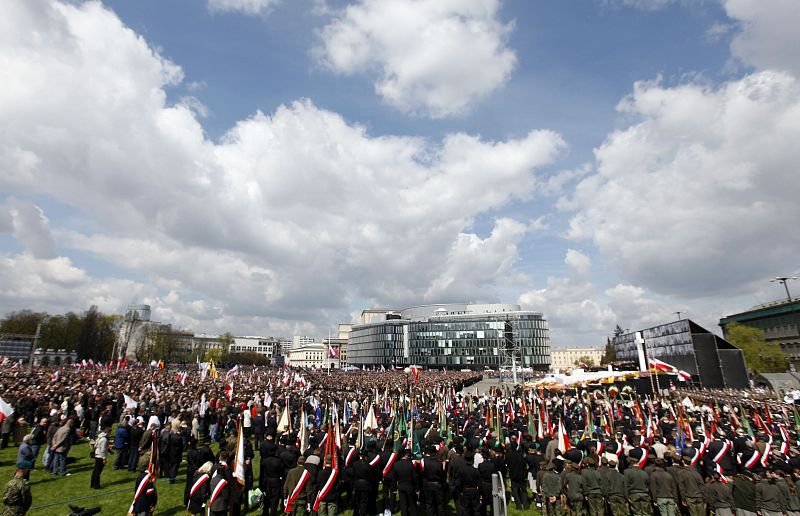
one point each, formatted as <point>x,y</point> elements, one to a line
<point>404,442</point>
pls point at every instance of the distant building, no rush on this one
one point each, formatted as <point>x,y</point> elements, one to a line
<point>267,346</point>
<point>453,336</point>
<point>298,341</point>
<point>779,320</point>
<point>314,355</point>
<point>344,339</point>
<point>563,360</point>
<point>711,360</point>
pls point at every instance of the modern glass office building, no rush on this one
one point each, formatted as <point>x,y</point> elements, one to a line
<point>462,336</point>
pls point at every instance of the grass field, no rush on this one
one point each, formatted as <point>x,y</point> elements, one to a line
<point>52,494</point>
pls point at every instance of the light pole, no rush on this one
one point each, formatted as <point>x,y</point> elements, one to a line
<point>783,280</point>
<point>678,314</point>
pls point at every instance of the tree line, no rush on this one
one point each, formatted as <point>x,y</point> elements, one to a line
<point>91,334</point>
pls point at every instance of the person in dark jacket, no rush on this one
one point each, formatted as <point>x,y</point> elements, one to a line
<point>220,487</point>
<point>145,496</point>
<point>433,482</point>
<point>719,496</point>
<point>361,477</point>
<point>518,474</point>
<point>405,475</point>
<point>769,500</point>
<point>136,433</point>
<point>122,445</point>
<point>663,489</point>
<point>744,494</point>
<point>468,482</point>
<point>199,489</point>
<point>270,480</point>
<point>325,491</point>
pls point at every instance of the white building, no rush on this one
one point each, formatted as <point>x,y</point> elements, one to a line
<point>311,355</point>
<point>267,346</point>
<point>564,359</point>
<point>298,341</point>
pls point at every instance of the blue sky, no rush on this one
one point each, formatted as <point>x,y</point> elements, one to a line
<point>273,167</point>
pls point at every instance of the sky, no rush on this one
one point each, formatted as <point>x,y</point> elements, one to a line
<point>273,167</point>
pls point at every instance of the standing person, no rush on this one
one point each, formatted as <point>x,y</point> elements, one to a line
<point>637,488</point>
<point>25,453</point>
<point>62,441</point>
<point>592,487</point>
<point>136,433</point>
<point>690,489</point>
<point>467,487</point>
<point>297,488</point>
<point>100,456</point>
<point>17,497</point>
<point>220,487</point>
<point>174,450</point>
<point>663,489</point>
<point>199,490</point>
<point>433,483</point>
<point>407,484</point>
<point>259,426</point>
<point>326,490</point>
<point>518,474</point>
<point>145,497</point>
<point>122,445</point>
<point>550,487</point>
<point>270,479</point>
<point>744,494</point>
<point>769,500</point>
<point>719,496</point>
<point>614,487</point>
<point>39,435</point>
<point>572,486</point>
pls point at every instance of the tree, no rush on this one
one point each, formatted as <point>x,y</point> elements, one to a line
<point>584,360</point>
<point>226,340</point>
<point>214,354</point>
<point>760,356</point>
<point>609,354</point>
<point>22,322</point>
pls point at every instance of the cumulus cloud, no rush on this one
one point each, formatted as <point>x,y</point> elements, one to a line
<point>28,224</point>
<point>251,7</point>
<point>696,199</point>
<point>289,217</point>
<point>432,57</point>
<point>768,38</point>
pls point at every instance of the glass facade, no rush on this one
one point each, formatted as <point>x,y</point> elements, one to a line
<point>456,342</point>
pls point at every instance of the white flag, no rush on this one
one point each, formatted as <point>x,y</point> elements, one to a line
<point>267,400</point>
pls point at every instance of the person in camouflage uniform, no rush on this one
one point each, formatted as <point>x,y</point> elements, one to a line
<point>17,497</point>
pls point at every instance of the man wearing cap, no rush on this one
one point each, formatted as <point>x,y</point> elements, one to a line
<point>550,486</point>
<point>663,489</point>
<point>17,496</point>
<point>720,497</point>
<point>637,487</point>
<point>690,488</point>
<point>592,487</point>
<point>614,486</point>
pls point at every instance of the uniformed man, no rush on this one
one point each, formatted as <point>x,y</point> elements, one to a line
<point>360,475</point>
<point>637,489</point>
<point>550,487</point>
<point>145,497</point>
<point>297,489</point>
<point>663,489</point>
<point>17,496</point>
<point>467,487</point>
<point>690,488</point>
<point>719,496</point>
<point>407,481</point>
<point>433,482</point>
<point>572,486</point>
<point>614,487</point>
<point>769,500</point>
<point>220,487</point>
<point>592,487</point>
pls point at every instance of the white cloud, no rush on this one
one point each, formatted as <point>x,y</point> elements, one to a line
<point>434,57</point>
<point>251,7</point>
<point>769,38</point>
<point>698,197</point>
<point>578,262</point>
<point>281,224</point>
<point>30,227</point>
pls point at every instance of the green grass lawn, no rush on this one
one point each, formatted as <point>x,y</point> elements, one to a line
<point>117,492</point>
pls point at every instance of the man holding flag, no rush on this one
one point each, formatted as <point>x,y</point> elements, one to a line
<point>297,489</point>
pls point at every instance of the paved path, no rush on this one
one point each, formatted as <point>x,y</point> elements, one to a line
<point>485,384</point>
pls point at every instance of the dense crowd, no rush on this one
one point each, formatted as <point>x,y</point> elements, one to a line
<point>397,441</point>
